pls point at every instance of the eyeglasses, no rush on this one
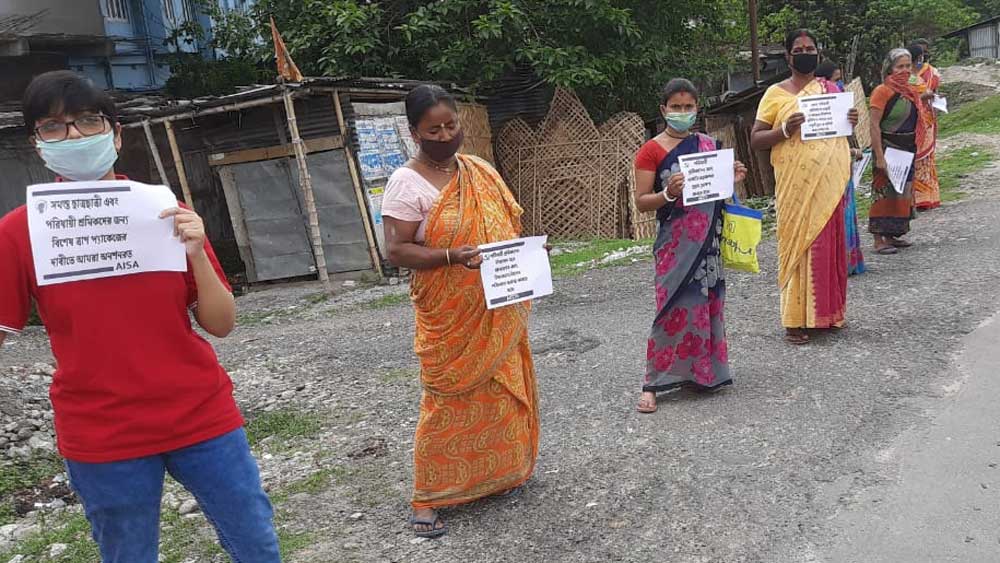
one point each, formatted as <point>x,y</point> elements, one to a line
<point>88,126</point>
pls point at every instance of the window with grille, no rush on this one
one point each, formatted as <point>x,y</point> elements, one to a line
<point>118,10</point>
<point>169,14</point>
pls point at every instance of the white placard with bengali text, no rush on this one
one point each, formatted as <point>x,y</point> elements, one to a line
<point>826,116</point>
<point>899,163</point>
<point>859,166</point>
<point>708,176</point>
<point>90,230</point>
<point>515,270</point>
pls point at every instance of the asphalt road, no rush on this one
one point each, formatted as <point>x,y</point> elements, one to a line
<point>942,505</point>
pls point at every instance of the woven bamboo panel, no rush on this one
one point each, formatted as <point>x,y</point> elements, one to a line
<point>476,126</point>
<point>571,177</point>
<point>512,136</point>
<point>862,133</point>
<point>632,131</point>
<point>567,120</point>
<point>728,137</point>
<point>733,131</point>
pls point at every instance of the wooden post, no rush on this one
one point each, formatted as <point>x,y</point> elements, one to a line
<point>754,42</point>
<point>178,163</point>
<point>358,191</point>
<point>852,59</point>
<point>305,182</point>
<point>156,153</point>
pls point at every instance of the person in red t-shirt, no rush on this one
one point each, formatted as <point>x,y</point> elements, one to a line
<point>137,392</point>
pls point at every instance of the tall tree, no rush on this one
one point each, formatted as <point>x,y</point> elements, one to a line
<point>616,54</point>
<point>879,25</point>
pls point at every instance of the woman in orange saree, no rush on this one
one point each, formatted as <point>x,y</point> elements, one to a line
<point>809,187</point>
<point>926,188</point>
<point>477,434</point>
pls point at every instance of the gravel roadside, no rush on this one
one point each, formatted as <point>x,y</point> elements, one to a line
<point>750,475</point>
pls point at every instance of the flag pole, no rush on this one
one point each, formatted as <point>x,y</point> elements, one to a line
<point>288,70</point>
<point>305,183</point>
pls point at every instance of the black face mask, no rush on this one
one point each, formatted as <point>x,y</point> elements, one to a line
<point>440,151</point>
<point>805,63</point>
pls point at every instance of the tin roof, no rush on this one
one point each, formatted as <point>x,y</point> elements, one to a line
<point>958,32</point>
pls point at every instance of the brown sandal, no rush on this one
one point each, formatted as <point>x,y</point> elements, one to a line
<point>797,338</point>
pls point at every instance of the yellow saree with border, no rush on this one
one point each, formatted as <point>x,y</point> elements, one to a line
<point>478,429</point>
<point>810,182</point>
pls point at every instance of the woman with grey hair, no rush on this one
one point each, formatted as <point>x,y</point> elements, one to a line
<point>896,117</point>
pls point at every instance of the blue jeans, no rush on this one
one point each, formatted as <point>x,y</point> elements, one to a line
<point>122,500</point>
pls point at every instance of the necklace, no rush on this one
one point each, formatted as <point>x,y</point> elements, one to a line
<point>440,168</point>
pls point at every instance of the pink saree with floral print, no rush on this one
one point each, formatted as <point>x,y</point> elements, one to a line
<point>687,344</point>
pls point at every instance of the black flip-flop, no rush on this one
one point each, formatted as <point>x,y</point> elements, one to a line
<point>887,250</point>
<point>434,532</point>
<point>712,390</point>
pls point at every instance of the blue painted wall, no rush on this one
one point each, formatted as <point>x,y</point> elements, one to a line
<point>140,44</point>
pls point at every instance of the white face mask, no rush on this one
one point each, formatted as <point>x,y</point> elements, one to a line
<point>81,160</point>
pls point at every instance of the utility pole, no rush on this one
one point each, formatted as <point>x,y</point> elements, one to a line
<point>754,42</point>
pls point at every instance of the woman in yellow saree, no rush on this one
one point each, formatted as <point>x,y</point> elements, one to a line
<point>809,186</point>
<point>477,434</point>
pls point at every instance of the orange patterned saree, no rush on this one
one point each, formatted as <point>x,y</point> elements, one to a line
<point>478,429</point>
<point>926,186</point>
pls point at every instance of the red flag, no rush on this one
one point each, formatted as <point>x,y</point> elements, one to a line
<point>286,66</point>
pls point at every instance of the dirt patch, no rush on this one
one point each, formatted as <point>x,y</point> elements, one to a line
<point>51,493</point>
<point>569,342</point>
<point>983,73</point>
<point>961,93</point>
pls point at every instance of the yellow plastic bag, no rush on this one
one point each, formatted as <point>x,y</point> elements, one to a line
<point>741,232</point>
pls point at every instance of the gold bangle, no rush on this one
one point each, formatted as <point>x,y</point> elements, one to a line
<point>447,255</point>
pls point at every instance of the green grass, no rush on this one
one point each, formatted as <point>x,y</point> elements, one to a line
<point>982,116</point>
<point>313,484</point>
<point>957,163</point>
<point>22,475</point>
<point>7,513</point>
<point>387,301</point>
<point>317,298</point>
<point>864,207</point>
<point>182,538</point>
<point>290,542</point>
<point>576,258</point>
<point>951,167</point>
<point>72,530</point>
<point>283,425</point>
<point>259,318</point>
<point>33,318</point>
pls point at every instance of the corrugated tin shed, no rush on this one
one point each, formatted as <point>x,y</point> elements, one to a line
<point>983,38</point>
